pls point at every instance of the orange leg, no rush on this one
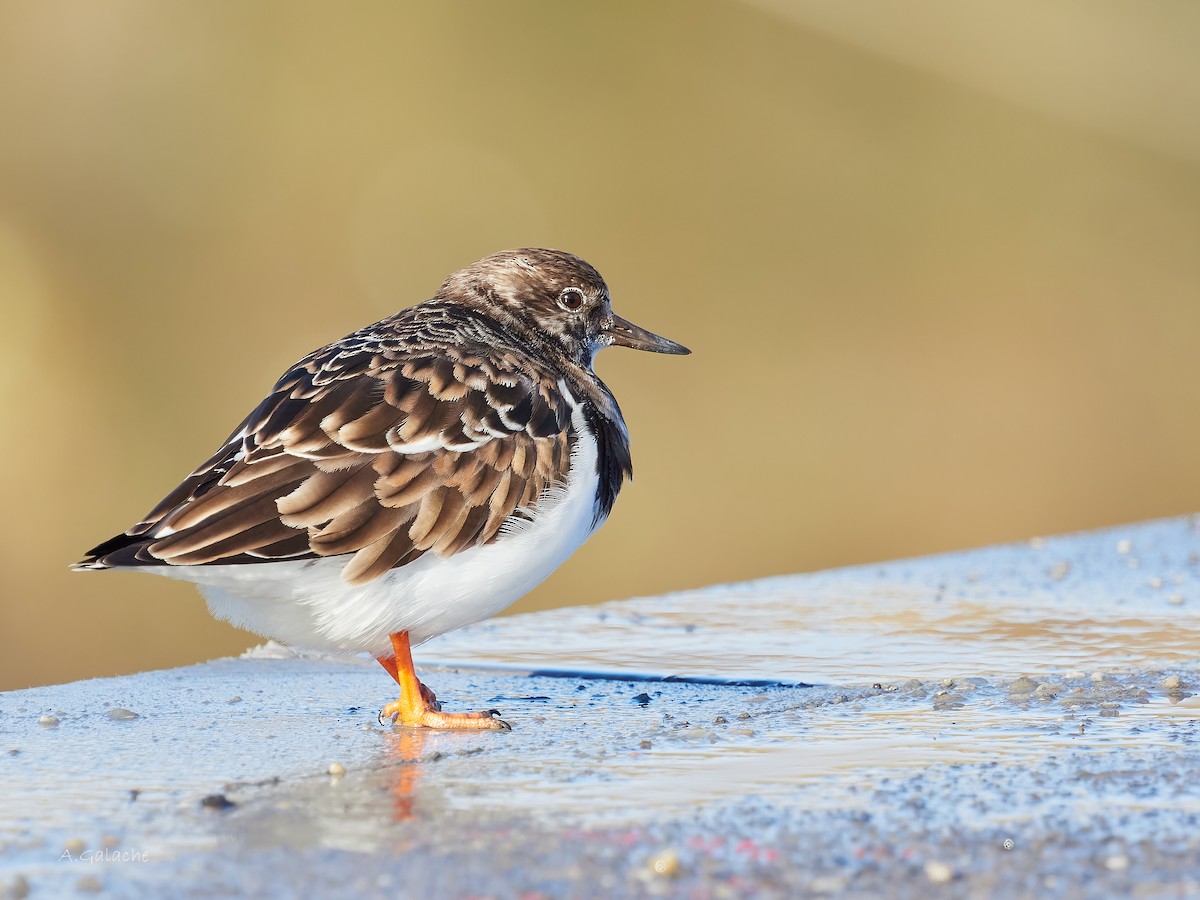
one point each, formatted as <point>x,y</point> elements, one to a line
<point>389,664</point>
<point>418,707</point>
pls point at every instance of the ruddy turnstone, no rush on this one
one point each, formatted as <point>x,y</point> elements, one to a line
<point>418,475</point>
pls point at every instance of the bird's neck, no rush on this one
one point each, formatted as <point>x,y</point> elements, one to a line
<point>581,378</point>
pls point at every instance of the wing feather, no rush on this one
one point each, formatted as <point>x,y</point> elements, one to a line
<point>371,450</point>
<point>373,561</point>
<point>245,540</point>
<point>370,523</point>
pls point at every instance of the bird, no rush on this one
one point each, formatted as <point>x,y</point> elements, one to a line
<point>418,475</point>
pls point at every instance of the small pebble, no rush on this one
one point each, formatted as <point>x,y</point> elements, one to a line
<point>1175,599</point>
<point>642,699</point>
<point>17,889</point>
<point>1124,546</point>
<point>645,745</point>
<point>1023,685</point>
<point>1118,862</point>
<point>947,700</point>
<point>1037,543</point>
<point>217,802</point>
<point>89,884</point>
<point>665,864</point>
<point>75,846</point>
<point>48,721</point>
<point>1155,582</point>
<point>827,884</point>
<point>938,872</point>
<point>122,715</point>
<point>234,700</point>
<point>336,769</point>
<point>1060,570</point>
<point>1171,683</point>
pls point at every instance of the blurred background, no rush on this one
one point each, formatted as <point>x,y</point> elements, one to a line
<point>938,264</point>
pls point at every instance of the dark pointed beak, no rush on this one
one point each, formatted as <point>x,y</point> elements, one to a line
<point>623,333</point>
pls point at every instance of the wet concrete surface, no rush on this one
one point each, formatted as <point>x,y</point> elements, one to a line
<point>1012,721</point>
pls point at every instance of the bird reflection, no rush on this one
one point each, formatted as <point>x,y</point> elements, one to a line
<point>405,747</point>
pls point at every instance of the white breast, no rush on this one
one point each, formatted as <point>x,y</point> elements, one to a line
<point>306,603</point>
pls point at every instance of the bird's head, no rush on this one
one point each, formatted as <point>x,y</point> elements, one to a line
<point>556,294</point>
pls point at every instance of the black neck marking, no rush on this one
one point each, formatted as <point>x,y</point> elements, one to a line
<point>613,462</point>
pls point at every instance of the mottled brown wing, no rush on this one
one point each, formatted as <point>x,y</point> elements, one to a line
<point>377,455</point>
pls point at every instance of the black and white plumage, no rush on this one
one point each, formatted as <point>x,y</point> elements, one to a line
<point>418,475</point>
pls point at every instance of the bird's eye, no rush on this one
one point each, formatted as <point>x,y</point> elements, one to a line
<point>571,299</point>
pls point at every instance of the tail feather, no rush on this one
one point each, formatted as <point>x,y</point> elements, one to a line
<point>119,551</point>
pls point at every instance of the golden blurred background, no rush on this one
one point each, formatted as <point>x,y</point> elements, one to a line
<point>938,264</point>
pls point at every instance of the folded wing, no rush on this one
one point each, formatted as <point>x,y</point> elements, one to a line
<point>374,453</point>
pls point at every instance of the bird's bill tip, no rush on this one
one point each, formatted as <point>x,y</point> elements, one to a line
<point>623,333</point>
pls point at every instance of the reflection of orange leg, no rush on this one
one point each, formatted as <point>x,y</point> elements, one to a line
<point>418,707</point>
<point>406,747</point>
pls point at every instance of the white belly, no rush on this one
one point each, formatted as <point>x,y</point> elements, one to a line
<point>306,603</point>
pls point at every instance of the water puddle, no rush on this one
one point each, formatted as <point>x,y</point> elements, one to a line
<point>836,756</point>
<point>1063,604</point>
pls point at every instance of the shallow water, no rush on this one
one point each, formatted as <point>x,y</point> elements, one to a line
<point>1058,604</point>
